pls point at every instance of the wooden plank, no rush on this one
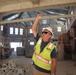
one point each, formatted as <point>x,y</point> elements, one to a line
<point>44,17</point>
<point>35,1</point>
<point>43,4</point>
<point>8,2</point>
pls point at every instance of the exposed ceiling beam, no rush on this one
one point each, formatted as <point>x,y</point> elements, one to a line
<point>28,6</point>
<point>44,17</point>
<point>20,15</point>
<point>35,1</point>
<point>7,16</point>
<point>29,15</point>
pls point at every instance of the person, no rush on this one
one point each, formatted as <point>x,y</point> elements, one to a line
<point>44,56</point>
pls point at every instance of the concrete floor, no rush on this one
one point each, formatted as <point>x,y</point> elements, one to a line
<point>64,67</point>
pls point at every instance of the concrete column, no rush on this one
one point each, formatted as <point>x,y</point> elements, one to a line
<point>0,25</point>
<point>0,17</point>
<point>74,10</point>
<point>73,40</point>
<point>0,33</point>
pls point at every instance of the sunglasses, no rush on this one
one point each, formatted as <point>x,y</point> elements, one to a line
<point>46,33</point>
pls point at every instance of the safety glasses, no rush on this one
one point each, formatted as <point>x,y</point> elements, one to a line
<point>46,33</point>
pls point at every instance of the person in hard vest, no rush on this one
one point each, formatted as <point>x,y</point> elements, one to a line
<point>44,56</point>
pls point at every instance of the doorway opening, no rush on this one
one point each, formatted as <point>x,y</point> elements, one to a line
<point>15,45</point>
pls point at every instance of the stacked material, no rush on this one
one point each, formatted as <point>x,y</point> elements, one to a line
<point>29,51</point>
<point>11,68</point>
<point>20,51</point>
<point>61,51</point>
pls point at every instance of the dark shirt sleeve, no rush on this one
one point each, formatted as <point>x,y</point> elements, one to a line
<point>54,53</point>
<point>37,37</point>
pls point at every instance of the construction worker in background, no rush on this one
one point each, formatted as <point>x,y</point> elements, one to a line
<point>44,57</point>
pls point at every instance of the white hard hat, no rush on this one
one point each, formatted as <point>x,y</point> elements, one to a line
<point>50,30</point>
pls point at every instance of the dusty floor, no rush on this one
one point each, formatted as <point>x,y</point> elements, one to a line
<point>64,67</point>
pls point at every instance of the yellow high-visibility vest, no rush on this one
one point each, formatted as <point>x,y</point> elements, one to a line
<point>43,59</point>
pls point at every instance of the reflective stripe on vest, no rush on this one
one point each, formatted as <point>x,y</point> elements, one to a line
<point>42,59</point>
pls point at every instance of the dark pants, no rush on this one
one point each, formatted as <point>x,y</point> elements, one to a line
<point>36,72</point>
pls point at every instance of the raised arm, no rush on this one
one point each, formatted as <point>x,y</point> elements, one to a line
<point>34,27</point>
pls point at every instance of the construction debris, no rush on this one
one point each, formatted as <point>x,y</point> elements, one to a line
<point>12,68</point>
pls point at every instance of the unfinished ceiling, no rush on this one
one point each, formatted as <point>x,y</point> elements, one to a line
<point>33,14</point>
<point>25,11</point>
<point>26,5</point>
